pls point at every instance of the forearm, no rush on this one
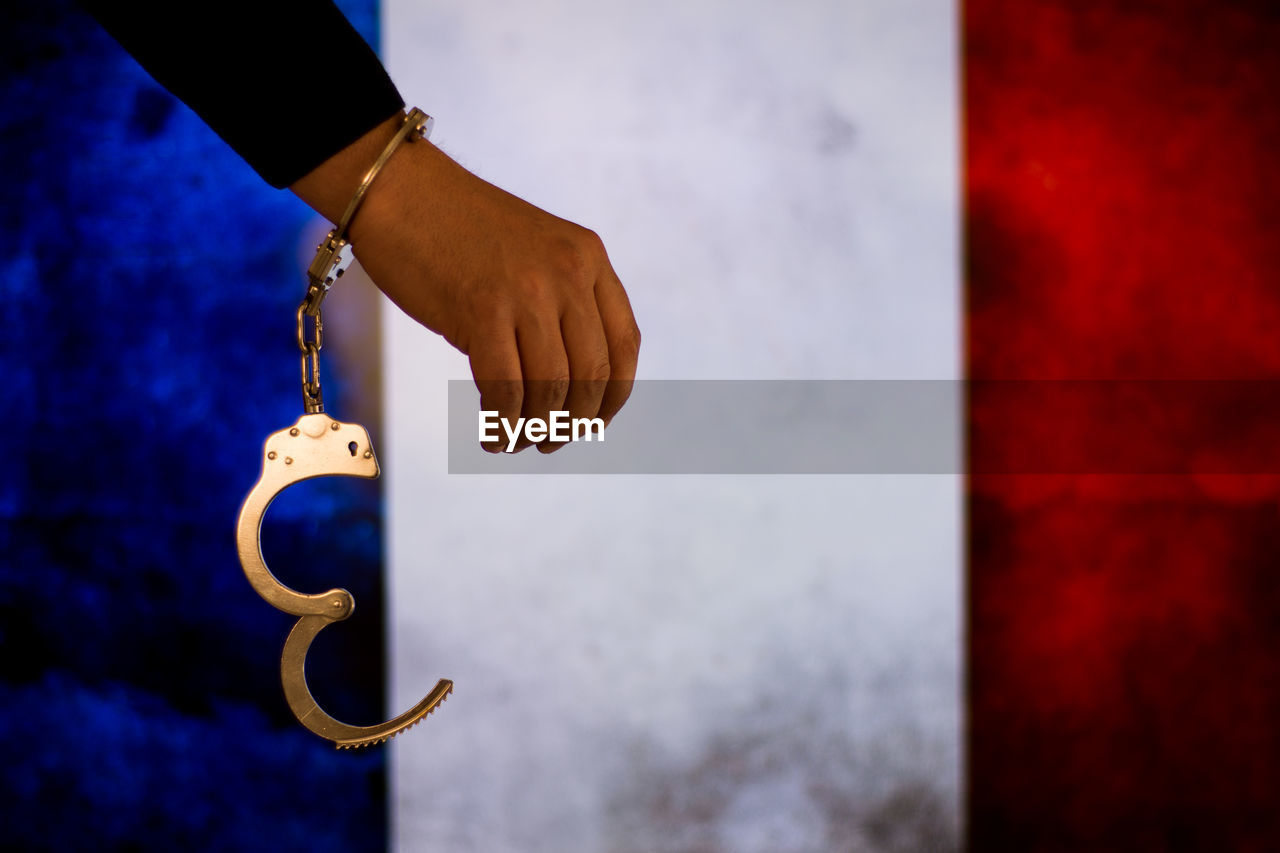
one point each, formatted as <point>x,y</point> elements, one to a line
<point>287,83</point>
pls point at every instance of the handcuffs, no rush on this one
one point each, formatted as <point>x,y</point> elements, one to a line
<point>319,446</point>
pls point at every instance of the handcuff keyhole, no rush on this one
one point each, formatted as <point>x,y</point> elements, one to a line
<point>353,447</point>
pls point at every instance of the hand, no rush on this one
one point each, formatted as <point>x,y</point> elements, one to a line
<point>530,298</point>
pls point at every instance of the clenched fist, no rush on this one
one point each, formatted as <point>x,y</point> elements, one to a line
<point>530,298</point>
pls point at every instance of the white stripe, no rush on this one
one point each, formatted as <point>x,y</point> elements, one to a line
<point>663,663</point>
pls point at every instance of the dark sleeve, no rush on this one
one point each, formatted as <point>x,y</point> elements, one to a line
<point>287,83</point>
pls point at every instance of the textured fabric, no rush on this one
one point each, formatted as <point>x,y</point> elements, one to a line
<point>287,84</point>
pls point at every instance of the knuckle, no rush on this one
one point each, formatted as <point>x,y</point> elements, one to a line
<point>629,341</point>
<point>491,312</point>
<point>572,262</point>
<point>556,389</point>
<point>545,394</point>
<point>577,258</point>
<point>567,261</point>
<point>598,370</point>
<point>534,286</point>
<point>503,395</point>
<point>593,242</point>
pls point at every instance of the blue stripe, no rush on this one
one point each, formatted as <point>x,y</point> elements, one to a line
<point>146,344</point>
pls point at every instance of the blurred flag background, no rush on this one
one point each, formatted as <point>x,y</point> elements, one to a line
<point>1121,224</point>
<point>822,190</point>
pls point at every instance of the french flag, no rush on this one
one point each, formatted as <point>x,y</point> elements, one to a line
<point>1040,651</point>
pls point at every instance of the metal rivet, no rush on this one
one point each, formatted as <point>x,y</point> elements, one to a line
<point>271,455</point>
<point>288,460</point>
<point>293,431</point>
<point>335,425</point>
<point>368,454</point>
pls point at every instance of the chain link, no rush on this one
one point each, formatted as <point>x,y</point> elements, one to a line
<point>310,340</point>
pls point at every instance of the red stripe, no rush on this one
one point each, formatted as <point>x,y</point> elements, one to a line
<point>1123,193</point>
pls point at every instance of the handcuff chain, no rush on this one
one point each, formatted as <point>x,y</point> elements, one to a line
<point>312,397</point>
<point>333,256</point>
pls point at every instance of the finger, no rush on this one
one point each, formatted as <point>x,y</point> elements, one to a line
<point>495,365</point>
<point>545,367</point>
<point>623,336</point>
<point>588,354</point>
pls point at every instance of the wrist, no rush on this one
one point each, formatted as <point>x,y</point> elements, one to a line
<point>328,188</point>
<point>332,255</point>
